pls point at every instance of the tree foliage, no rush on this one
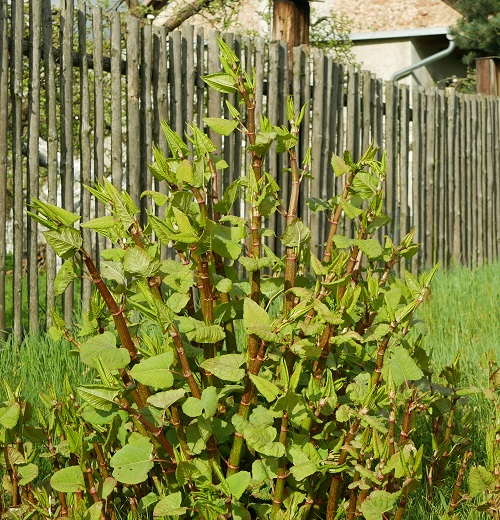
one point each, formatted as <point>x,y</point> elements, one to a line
<point>479,30</point>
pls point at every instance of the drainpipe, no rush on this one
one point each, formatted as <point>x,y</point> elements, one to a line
<point>430,59</point>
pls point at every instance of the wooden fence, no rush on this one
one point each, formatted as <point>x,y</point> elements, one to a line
<point>96,90</point>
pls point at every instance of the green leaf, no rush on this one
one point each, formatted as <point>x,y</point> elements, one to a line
<point>266,388</point>
<point>106,487</point>
<point>207,333</point>
<point>221,82</point>
<point>254,315</point>
<point>65,241</point>
<point>178,277</point>
<point>65,276</point>
<point>113,271</point>
<point>132,463</point>
<point>100,223</point>
<point>155,371</point>
<point>138,262</point>
<point>365,184</point>
<point>166,399</point>
<point>238,483</point>
<point>104,346</point>
<point>98,396</point>
<point>378,503</point>
<point>54,213</point>
<point>371,248</point>
<point>226,367</point>
<point>175,143</point>
<point>68,480</point>
<point>9,414</point>
<point>403,367</point>
<point>296,234</point>
<point>209,401</point>
<point>170,506</point>
<point>221,126</point>
<point>184,173</point>
<point>338,165</point>
<point>28,473</point>
<point>480,480</point>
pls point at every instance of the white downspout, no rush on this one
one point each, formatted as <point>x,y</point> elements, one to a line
<point>430,59</point>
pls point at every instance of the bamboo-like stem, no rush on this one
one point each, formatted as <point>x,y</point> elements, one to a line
<point>353,499</point>
<point>291,253</point>
<point>334,222</point>
<point>402,503</point>
<point>116,312</point>
<point>279,490</point>
<point>256,217</point>
<point>150,428</point>
<point>337,477</point>
<point>181,436</point>
<point>458,483</point>
<point>186,368</point>
<point>244,410</point>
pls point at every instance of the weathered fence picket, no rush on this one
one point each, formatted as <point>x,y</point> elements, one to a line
<point>96,101</point>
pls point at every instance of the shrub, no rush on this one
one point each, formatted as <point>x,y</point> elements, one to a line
<point>231,382</point>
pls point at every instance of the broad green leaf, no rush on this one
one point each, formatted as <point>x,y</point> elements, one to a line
<point>207,334</point>
<point>184,173</point>
<point>68,480</point>
<point>54,213</point>
<point>138,262</point>
<point>106,487</point>
<point>403,367</point>
<point>94,512</point>
<point>238,483</point>
<point>64,241</point>
<point>303,470</point>
<point>378,503</point>
<point>203,145</point>
<point>349,209</point>
<point>371,248</point>
<point>254,315</point>
<point>480,480</point>
<point>220,82</point>
<point>338,165</point>
<point>296,234</point>
<point>99,396</point>
<point>224,285</point>
<point>65,276</point>
<point>9,414</point>
<point>365,184</point>
<point>178,277</point>
<point>100,223</point>
<point>132,463</point>
<point>104,346</point>
<point>28,473</point>
<point>266,388</point>
<point>221,126</point>
<point>226,367</point>
<point>194,407</point>
<point>175,143</point>
<point>170,506</point>
<point>113,271</point>
<point>166,399</point>
<point>155,371</point>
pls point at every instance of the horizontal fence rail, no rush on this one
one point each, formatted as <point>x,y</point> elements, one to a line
<point>84,92</point>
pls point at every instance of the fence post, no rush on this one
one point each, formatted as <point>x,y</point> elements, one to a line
<point>488,76</point>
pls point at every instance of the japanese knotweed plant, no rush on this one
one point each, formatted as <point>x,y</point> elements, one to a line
<point>231,382</point>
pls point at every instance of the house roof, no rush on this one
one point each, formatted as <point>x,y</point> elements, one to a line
<point>392,15</point>
<point>400,34</point>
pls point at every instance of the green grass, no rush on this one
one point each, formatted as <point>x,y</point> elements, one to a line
<point>40,363</point>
